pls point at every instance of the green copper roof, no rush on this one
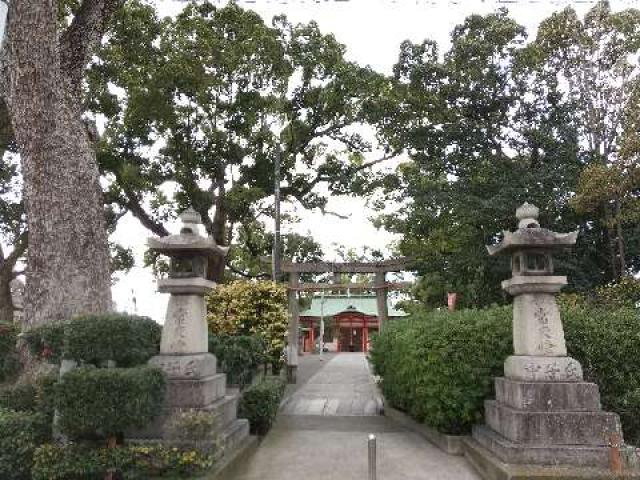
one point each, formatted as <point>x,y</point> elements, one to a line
<point>334,304</point>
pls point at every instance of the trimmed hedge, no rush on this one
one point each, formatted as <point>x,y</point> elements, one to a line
<point>20,435</point>
<point>108,401</point>
<point>31,397</point>
<point>439,366</point>
<point>239,356</point>
<point>9,362</point>
<point>86,462</point>
<point>128,340</point>
<point>259,404</point>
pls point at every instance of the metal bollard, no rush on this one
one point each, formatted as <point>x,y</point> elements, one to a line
<point>372,457</point>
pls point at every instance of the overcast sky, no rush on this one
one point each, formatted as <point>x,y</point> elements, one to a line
<point>372,31</point>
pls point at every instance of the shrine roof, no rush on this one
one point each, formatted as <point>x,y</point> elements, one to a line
<point>336,304</point>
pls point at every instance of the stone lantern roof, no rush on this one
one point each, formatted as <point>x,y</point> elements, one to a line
<point>188,241</point>
<point>530,235</point>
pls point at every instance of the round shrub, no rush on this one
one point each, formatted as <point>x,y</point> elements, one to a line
<point>46,342</point>
<point>251,308</point>
<point>108,401</point>
<point>126,339</point>
<point>9,363</point>
<point>20,435</point>
<point>239,356</point>
<point>259,404</point>
<point>439,366</point>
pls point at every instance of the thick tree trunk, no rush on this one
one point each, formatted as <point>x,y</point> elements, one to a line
<point>68,260</point>
<point>6,301</point>
<point>622,256</point>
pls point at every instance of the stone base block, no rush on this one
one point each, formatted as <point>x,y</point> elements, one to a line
<point>198,393</point>
<point>225,410</point>
<point>233,436</point>
<point>548,396</point>
<point>549,454</point>
<point>194,366</point>
<point>551,428</point>
<point>490,467</point>
<point>542,369</point>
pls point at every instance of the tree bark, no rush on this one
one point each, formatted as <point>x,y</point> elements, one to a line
<point>68,271</point>
<point>622,256</point>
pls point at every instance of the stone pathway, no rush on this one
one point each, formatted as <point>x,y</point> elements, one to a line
<point>321,434</point>
<point>343,388</point>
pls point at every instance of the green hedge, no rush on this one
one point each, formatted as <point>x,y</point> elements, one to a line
<point>31,397</point>
<point>20,434</point>
<point>9,363</point>
<point>260,403</point>
<point>108,401</point>
<point>126,339</point>
<point>438,366</point>
<point>239,356</point>
<point>86,462</point>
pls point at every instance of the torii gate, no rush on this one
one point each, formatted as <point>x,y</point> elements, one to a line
<point>380,285</point>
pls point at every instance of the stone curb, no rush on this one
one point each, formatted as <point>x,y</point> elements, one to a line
<point>450,444</point>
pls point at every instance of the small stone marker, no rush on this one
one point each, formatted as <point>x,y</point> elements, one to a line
<point>544,413</point>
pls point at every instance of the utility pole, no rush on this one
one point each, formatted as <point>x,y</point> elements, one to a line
<point>276,238</point>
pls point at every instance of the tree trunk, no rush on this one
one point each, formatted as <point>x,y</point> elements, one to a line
<point>6,301</point>
<point>622,257</point>
<point>68,270</point>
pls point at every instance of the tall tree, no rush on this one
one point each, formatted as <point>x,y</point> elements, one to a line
<point>203,102</point>
<point>480,141</point>
<point>595,58</point>
<point>68,260</point>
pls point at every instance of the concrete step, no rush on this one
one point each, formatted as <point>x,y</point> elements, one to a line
<point>559,428</point>
<point>548,396</point>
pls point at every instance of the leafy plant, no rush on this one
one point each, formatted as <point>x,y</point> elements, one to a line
<point>86,462</point>
<point>260,403</point>
<point>20,435</point>
<point>108,401</point>
<point>239,356</point>
<point>439,366</point>
<point>128,340</point>
<point>248,309</point>
<point>8,356</point>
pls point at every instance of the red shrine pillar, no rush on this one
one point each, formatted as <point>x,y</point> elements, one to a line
<point>365,334</point>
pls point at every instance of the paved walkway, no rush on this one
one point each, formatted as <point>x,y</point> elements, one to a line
<point>321,434</point>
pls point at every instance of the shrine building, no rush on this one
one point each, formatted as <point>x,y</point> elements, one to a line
<point>349,322</point>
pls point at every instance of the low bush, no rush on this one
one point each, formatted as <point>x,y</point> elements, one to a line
<point>20,434</point>
<point>251,308</point>
<point>31,397</point>
<point>127,340</point>
<point>9,363</point>
<point>95,339</point>
<point>260,403</point>
<point>46,342</point>
<point>438,366</point>
<point>86,462</point>
<point>238,356</point>
<point>108,401</point>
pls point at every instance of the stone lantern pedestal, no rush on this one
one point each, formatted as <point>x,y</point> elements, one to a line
<point>544,412</point>
<point>193,380</point>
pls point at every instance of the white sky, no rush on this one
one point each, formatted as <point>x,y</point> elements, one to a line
<point>372,31</point>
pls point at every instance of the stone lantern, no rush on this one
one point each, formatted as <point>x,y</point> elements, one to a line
<point>544,413</point>
<point>193,381</point>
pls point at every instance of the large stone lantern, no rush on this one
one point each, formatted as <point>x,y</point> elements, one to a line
<point>193,380</point>
<point>544,413</point>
